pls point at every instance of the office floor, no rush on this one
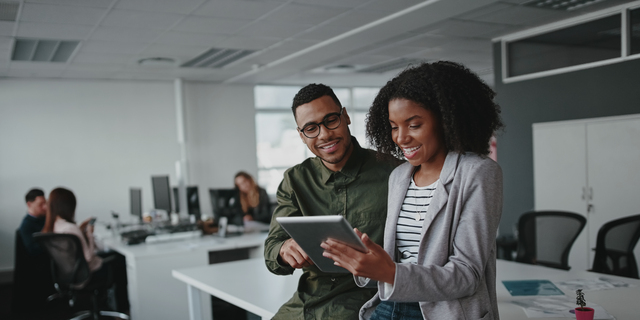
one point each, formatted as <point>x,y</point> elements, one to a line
<point>55,311</point>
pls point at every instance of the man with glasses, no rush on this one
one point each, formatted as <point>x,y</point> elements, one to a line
<point>344,179</point>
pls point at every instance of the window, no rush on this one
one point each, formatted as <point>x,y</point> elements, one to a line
<point>634,31</point>
<point>278,142</point>
<point>583,43</point>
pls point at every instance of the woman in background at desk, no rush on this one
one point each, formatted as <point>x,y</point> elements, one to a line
<point>254,201</point>
<point>61,210</point>
<point>445,202</point>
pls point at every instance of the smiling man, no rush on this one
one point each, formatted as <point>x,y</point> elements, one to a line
<point>343,179</point>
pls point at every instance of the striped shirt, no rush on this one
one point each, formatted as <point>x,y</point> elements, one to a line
<point>409,227</point>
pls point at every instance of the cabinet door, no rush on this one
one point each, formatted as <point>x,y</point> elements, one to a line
<point>559,169</point>
<point>613,149</point>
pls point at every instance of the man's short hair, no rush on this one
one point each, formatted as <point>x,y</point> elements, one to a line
<point>33,194</point>
<point>311,92</point>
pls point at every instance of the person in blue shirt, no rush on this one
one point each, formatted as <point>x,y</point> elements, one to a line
<point>34,220</point>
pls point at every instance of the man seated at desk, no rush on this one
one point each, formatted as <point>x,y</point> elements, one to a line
<point>33,221</point>
<point>344,179</point>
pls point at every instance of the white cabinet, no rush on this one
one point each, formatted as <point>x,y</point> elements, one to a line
<point>591,167</point>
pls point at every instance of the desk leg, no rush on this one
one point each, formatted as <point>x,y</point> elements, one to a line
<point>195,305</point>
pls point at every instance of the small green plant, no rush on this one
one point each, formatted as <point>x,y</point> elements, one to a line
<point>580,298</point>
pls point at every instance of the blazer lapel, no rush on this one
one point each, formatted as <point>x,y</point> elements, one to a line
<point>441,195</point>
<point>397,192</point>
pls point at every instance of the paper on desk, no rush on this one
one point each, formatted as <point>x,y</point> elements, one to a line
<point>601,283</point>
<point>556,307</point>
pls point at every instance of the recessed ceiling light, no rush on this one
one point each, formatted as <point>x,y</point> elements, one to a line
<point>157,62</point>
<point>563,5</point>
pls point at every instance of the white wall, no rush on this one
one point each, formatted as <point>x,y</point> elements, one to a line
<point>99,138</point>
<point>221,136</point>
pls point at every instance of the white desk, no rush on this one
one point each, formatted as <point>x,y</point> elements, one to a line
<point>249,285</point>
<point>153,293</point>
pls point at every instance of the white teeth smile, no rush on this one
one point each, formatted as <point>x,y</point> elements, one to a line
<point>328,147</point>
<point>409,150</point>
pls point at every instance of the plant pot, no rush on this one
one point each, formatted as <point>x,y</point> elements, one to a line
<point>584,313</point>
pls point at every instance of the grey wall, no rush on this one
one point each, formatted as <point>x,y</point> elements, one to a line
<point>99,138</point>
<point>596,92</point>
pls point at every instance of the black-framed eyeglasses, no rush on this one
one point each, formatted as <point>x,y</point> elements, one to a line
<point>331,121</point>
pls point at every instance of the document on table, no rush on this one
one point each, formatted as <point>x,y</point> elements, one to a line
<point>601,283</point>
<point>556,307</point>
<point>532,288</point>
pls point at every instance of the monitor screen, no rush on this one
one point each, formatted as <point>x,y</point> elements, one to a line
<point>161,193</point>
<point>223,204</point>
<point>135,199</point>
<point>193,202</point>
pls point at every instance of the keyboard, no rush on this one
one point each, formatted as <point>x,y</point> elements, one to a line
<point>135,236</point>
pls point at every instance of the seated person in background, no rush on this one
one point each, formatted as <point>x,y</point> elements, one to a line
<point>254,201</point>
<point>34,220</point>
<point>61,209</point>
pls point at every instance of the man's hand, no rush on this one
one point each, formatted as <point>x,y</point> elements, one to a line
<point>293,255</point>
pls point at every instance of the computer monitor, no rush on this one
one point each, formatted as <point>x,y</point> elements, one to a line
<point>135,199</point>
<point>161,193</point>
<point>223,204</point>
<point>193,201</point>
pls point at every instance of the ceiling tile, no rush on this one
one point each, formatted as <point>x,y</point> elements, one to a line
<point>125,34</point>
<point>248,42</point>
<point>58,31</point>
<point>61,14</point>
<point>460,44</point>
<point>392,6</point>
<point>471,15</point>
<point>273,29</point>
<point>112,47</point>
<point>427,41</point>
<point>519,15</point>
<point>304,14</point>
<point>31,73</point>
<point>37,66</point>
<point>182,53</point>
<point>141,19</point>
<point>169,6</point>
<point>322,33</point>
<point>210,25</point>
<point>86,3</point>
<point>6,28</point>
<point>462,28</point>
<point>93,58</point>
<point>237,9</point>
<point>358,18</point>
<point>191,39</point>
<point>337,3</point>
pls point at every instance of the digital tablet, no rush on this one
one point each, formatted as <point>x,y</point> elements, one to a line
<point>310,231</point>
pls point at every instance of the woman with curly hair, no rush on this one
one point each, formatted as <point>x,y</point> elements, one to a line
<point>444,204</point>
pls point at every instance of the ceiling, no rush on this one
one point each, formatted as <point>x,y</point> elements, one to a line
<point>292,41</point>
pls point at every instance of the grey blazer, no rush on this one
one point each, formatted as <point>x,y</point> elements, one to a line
<point>455,275</point>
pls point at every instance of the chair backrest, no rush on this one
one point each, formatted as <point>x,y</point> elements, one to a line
<point>545,237</point>
<point>614,247</point>
<point>68,265</point>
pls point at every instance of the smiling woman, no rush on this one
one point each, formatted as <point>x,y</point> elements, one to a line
<point>445,201</point>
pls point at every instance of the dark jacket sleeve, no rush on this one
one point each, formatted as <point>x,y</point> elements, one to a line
<point>287,206</point>
<point>26,233</point>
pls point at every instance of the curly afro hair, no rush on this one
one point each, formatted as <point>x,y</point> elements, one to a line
<point>311,92</point>
<point>457,97</point>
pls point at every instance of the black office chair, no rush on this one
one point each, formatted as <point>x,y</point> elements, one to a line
<point>32,282</point>
<point>614,247</point>
<point>545,237</point>
<point>72,276</point>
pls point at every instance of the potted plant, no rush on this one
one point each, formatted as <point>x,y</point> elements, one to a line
<point>582,312</point>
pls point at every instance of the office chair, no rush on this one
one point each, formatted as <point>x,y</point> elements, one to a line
<point>545,237</point>
<point>614,247</point>
<point>32,282</point>
<point>72,276</point>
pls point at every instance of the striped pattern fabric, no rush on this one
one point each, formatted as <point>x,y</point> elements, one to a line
<point>411,219</point>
